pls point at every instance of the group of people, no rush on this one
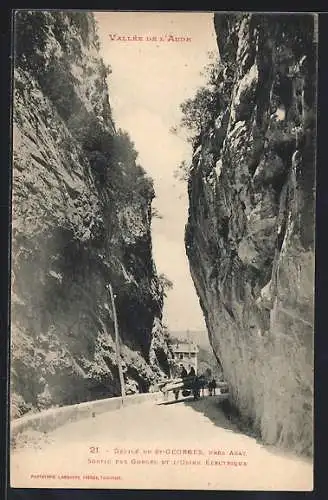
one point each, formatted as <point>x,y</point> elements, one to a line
<point>200,383</point>
<point>207,384</point>
<point>185,374</point>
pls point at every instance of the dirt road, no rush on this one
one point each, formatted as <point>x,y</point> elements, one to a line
<point>182,445</point>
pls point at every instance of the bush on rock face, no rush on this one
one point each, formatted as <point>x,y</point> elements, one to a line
<point>205,112</point>
<point>81,219</point>
<point>250,231</point>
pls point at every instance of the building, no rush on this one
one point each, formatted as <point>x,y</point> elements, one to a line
<point>185,353</point>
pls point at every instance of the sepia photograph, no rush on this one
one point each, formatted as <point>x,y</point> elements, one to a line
<point>163,250</point>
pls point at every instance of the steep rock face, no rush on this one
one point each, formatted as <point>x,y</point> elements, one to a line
<point>250,232</point>
<point>81,219</point>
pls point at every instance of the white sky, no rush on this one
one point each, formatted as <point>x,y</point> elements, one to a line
<point>149,80</point>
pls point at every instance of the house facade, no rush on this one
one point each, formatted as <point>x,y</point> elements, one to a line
<point>185,354</point>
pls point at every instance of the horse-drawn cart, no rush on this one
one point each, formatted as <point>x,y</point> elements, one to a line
<point>188,385</point>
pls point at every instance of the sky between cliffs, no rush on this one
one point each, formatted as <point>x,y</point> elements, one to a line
<point>149,80</point>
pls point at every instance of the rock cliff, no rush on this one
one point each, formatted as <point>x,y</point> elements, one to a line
<point>250,231</point>
<point>81,219</point>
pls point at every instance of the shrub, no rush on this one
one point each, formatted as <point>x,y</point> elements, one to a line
<point>165,283</point>
<point>182,171</point>
<point>199,112</point>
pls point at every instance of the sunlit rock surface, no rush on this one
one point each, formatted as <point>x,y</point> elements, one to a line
<point>250,232</point>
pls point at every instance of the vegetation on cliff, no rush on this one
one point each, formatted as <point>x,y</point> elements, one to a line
<point>250,231</point>
<point>81,219</point>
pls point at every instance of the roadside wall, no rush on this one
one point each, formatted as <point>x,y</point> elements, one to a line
<point>48,420</point>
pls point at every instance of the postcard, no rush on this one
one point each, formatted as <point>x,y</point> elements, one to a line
<point>162,259</point>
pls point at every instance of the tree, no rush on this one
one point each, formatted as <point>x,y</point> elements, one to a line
<point>165,283</point>
<point>155,213</point>
<point>124,149</point>
<point>181,173</point>
<point>133,180</point>
<point>200,111</point>
<point>212,70</point>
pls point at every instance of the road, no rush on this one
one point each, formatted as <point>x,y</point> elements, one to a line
<point>175,445</point>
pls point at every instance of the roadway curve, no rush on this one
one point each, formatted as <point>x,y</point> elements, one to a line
<point>173,428</point>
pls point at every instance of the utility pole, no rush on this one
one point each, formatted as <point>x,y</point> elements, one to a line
<point>189,344</point>
<point>117,343</point>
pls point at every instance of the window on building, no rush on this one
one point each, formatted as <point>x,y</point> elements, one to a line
<point>181,356</point>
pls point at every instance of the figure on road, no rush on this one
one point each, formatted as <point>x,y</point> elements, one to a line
<point>192,372</point>
<point>196,386</point>
<point>212,387</point>
<point>203,383</point>
<point>183,372</point>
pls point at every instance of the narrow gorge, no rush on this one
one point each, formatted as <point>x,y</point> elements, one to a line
<point>250,231</point>
<point>81,219</point>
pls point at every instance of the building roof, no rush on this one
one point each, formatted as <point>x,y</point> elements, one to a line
<point>184,347</point>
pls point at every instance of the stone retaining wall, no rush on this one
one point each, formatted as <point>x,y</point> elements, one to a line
<point>48,420</point>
